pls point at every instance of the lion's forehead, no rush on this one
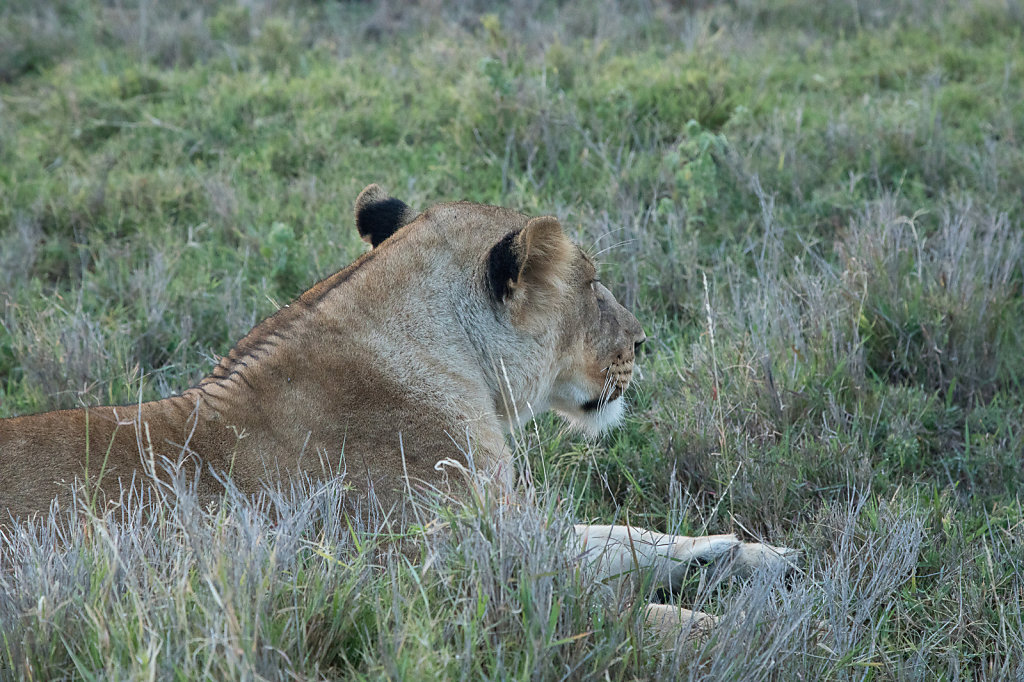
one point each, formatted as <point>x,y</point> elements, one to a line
<point>472,221</point>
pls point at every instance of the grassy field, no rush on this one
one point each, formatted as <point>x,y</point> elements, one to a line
<point>814,206</point>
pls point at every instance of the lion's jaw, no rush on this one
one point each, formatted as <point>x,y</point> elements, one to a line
<point>589,391</point>
<point>594,402</point>
<point>584,415</point>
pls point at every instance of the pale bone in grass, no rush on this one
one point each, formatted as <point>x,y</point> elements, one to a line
<point>459,325</point>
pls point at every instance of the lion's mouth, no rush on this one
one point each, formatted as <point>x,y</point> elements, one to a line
<point>597,403</point>
<point>612,390</point>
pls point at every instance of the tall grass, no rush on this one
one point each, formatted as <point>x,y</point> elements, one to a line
<point>288,586</point>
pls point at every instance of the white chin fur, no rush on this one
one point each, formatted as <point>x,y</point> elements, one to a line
<point>595,422</point>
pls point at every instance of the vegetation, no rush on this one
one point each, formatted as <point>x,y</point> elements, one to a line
<point>814,206</point>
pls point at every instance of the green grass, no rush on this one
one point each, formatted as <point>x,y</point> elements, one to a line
<point>845,175</point>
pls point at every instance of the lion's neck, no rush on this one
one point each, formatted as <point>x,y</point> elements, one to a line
<point>517,375</point>
<point>306,374</point>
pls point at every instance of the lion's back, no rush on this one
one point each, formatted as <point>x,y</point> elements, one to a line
<point>42,455</point>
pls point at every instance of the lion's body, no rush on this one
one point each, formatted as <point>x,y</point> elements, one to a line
<point>460,324</point>
<point>382,370</point>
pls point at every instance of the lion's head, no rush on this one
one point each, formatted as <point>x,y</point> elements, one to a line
<point>547,332</point>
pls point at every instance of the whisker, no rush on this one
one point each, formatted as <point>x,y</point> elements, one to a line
<point>614,246</point>
<point>601,237</point>
<point>607,389</point>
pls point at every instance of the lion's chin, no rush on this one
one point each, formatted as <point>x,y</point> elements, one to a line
<point>593,421</point>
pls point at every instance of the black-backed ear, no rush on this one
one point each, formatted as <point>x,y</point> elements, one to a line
<point>540,254</point>
<point>503,265</point>
<point>379,216</point>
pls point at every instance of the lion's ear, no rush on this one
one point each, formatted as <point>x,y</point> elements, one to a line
<point>537,257</point>
<point>379,216</point>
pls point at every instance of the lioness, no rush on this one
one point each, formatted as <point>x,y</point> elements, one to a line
<point>460,324</point>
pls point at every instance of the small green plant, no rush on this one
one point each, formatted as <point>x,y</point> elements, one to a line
<point>694,169</point>
<point>283,252</point>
